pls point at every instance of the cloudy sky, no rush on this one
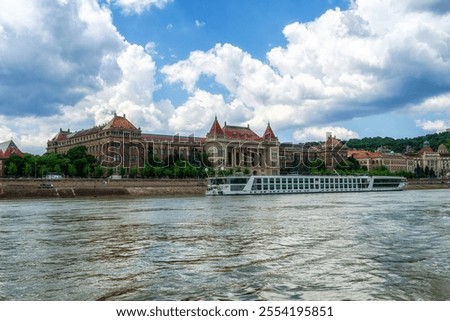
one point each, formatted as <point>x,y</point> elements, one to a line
<point>357,68</point>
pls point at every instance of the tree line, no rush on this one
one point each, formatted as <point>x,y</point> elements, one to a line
<point>78,163</point>
<point>401,145</point>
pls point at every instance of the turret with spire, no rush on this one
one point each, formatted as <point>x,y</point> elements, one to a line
<point>269,134</point>
<point>216,130</point>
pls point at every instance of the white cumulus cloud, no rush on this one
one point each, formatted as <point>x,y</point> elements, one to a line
<point>314,134</point>
<point>433,125</point>
<point>64,64</point>
<point>139,6</point>
<point>376,57</point>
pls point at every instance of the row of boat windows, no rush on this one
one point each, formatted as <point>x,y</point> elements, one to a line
<point>313,183</point>
<point>273,187</point>
<point>312,180</point>
<point>316,183</point>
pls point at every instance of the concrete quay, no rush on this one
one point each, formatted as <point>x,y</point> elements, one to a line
<point>74,188</point>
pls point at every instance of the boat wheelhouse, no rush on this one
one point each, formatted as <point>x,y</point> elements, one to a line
<point>296,184</point>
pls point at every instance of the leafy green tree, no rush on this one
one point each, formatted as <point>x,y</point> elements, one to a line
<point>159,171</point>
<point>110,171</point>
<point>78,152</point>
<point>86,170</point>
<point>351,165</point>
<point>11,169</point>
<point>57,168</point>
<point>316,166</point>
<point>134,172</point>
<point>380,171</point>
<point>71,170</point>
<point>99,171</point>
<point>28,170</point>
<point>43,170</point>
<point>148,171</point>
<point>168,172</point>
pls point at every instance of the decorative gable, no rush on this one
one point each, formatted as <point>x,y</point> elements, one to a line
<point>216,130</point>
<point>9,148</point>
<point>269,134</point>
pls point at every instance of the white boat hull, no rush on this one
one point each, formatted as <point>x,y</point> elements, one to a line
<point>298,184</point>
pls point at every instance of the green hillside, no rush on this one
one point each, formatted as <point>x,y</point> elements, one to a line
<point>401,145</point>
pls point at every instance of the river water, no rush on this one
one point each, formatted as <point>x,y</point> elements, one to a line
<point>355,246</point>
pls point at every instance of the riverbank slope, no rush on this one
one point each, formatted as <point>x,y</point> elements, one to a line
<point>72,188</point>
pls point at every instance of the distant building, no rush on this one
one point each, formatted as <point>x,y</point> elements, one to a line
<point>393,161</point>
<point>7,149</point>
<point>426,160</point>
<point>332,152</point>
<point>437,162</point>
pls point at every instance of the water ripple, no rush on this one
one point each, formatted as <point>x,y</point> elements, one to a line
<point>368,246</point>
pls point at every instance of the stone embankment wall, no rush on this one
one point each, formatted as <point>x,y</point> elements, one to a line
<point>428,184</point>
<point>71,188</point>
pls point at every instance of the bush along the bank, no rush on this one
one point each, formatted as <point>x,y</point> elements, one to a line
<point>77,163</point>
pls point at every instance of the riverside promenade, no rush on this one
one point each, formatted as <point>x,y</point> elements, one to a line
<point>73,188</point>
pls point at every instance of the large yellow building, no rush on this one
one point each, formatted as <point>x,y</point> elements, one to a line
<point>120,144</point>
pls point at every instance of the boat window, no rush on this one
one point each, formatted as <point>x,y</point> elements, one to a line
<point>386,182</point>
<point>238,180</point>
<point>237,187</point>
<point>217,181</point>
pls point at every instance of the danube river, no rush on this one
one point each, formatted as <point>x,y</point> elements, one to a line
<point>355,246</point>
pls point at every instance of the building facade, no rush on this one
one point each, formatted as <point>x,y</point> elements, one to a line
<point>433,162</point>
<point>120,144</point>
<point>232,147</point>
<point>427,161</point>
<point>117,143</point>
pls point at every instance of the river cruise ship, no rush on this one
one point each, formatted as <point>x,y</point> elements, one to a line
<point>296,184</point>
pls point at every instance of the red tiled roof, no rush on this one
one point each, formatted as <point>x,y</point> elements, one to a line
<point>426,149</point>
<point>120,122</point>
<point>9,148</point>
<point>62,135</point>
<point>240,133</point>
<point>269,134</point>
<point>360,154</point>
<point>216,129</point>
